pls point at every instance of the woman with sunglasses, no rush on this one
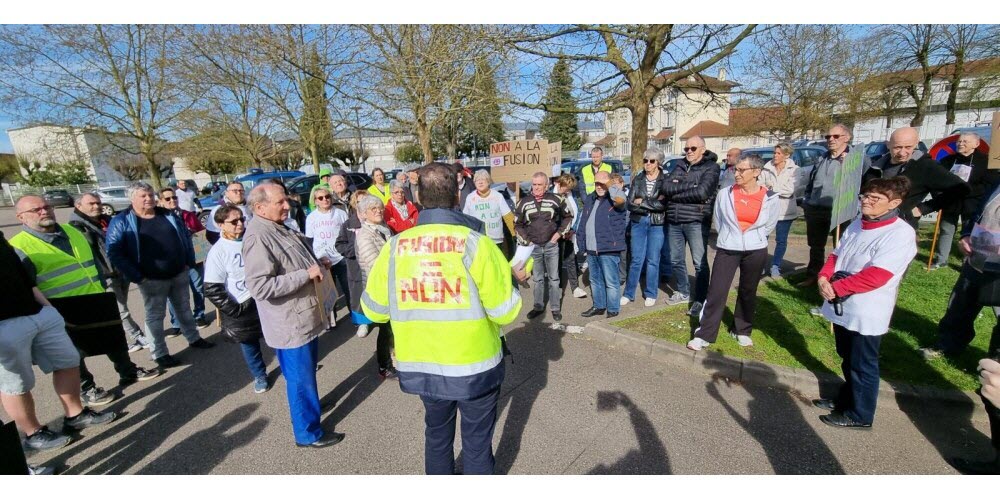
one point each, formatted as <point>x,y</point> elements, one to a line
<point>225,288</point>
<point>648,212</point>
<point>745,214</point>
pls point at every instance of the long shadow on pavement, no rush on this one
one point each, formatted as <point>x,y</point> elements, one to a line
<point>207,377</point>
<point>773,416</point>
<point>651,456</point>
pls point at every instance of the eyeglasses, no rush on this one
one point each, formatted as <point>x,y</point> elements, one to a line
<point>236,190</point>
<point>648,160</point>
<point>691,149</point>
<point>742,171</point>
<point>37,210</point>
<point>832,136</point>
<point>322,197</point>
<point>874,198</point>
<point>235,221</point>
<point>168,198</point>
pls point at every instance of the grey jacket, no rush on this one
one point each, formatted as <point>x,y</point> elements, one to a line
<point>369,241</point>
<point>277,263</point>
<point>819,189</point>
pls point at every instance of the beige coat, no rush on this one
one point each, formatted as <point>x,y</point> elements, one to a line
<point>369,242</point>
<point>276,264</point>
<point>784,185</point>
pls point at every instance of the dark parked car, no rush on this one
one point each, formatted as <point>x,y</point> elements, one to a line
<point>58,198</point>
<point>875,150</point>
<point>302,186</point>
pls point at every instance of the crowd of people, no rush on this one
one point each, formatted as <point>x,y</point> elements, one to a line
<point>439,245</point>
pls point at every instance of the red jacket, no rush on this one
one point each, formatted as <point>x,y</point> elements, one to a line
<point>191,221</point>
<point>395,220</point>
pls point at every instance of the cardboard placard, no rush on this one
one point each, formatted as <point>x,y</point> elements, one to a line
<point>201,245</point>
<point>555,158</point>
<point>994,162</point>
<point>520,159</point>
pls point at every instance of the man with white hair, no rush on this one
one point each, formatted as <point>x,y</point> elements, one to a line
<point>927,177</point>
<point>287,282</point>
<point>152,248</point>
<point>969,164</point>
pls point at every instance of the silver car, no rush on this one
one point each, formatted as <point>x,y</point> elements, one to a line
<point>113,200</point>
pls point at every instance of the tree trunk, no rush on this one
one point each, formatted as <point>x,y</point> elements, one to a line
<point>152,168</point>
<point>424,138</point>
<point>314,153</point>
<point>956,80</point>
<point>640,132</point>
<point>452,150</point>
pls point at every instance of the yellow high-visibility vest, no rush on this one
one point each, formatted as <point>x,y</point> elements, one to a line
<point>60,274</point>
<point>589,173</point>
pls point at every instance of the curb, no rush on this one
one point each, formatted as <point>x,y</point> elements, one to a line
<point>763,374</point>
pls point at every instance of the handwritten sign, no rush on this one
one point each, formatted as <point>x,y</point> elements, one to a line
<point>995,142</point>
<point>521,159</point>
<point>555,158</point>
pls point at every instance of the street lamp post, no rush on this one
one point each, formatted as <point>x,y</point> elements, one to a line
<point>361,144</point>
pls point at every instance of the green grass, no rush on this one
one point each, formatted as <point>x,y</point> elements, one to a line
<point>786,334</point>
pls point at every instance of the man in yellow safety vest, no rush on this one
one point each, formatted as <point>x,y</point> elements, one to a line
<point>587,172</point>
<point>447,291</point>
<point>61,260</point>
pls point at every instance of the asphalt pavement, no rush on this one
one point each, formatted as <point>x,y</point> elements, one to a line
<point>568,406</point>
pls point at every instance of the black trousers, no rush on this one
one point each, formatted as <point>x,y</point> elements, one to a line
<point>570,269</point>
<point>859,354</point>
<point>339,273</point>
<point>383,346</point>
<point>723,271</point>
<point>817,233</point>
<point>123,365</point>
<point>956,329</point>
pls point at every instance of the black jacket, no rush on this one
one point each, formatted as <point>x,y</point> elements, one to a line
<point>651,205</point>
<point>980,182</point>
<point>926,177</point>
<point>94,234</point>
<point>345,247</point>
<point>240,322</point>
<point>690,190</point>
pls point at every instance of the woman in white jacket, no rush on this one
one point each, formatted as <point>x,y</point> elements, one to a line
<point>745,214</point>
<point>781,176</point>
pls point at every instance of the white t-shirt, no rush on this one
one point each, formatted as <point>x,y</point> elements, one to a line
<point>490,210</point>
<point>891,247</point>
<point>213,227</point>
<point>224,264</point>
<point>185,200</point>
<point>323,229</point>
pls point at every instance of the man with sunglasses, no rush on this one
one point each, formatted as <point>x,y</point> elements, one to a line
<point>818,205</point>
<point>196,275</point>
<point>689,193</point>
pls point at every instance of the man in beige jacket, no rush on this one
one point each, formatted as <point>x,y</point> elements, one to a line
<point>286,280</point>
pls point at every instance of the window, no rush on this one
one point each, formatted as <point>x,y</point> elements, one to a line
<point>625,147</point>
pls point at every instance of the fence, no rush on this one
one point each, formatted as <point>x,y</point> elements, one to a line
<point>11,192</point>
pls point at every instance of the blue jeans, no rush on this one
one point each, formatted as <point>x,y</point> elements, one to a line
<point>196,278</point>
<point>254,358</point>
<point>155,296</point>
<point>647,240</point>
<point>695,235</point>
<point>781,241</point>
<point>666,269</point>
<point>859,394</point>
<point>479,420</point>
<point>604,280</point>
<point>298,366</point>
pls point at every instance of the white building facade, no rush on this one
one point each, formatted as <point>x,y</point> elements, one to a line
<point>42,145</point>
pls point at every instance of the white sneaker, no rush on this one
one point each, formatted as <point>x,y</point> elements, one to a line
<point>697,344</point>
<point>743,340</point>
<point>816,311</point>
<point>362,331</point>
<point>695,309</point>
<point>775,272</point>
<point>624,301</point>
<point>650,302</point>
<point>579,293</point>
<point>677,298</point>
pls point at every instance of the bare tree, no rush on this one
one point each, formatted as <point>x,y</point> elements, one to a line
<point>418,78</point>
<point>226,75</point>
<point>625,66</point>
<point>965,43</point>
<point>918,54</point>
<point>117,79</point>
